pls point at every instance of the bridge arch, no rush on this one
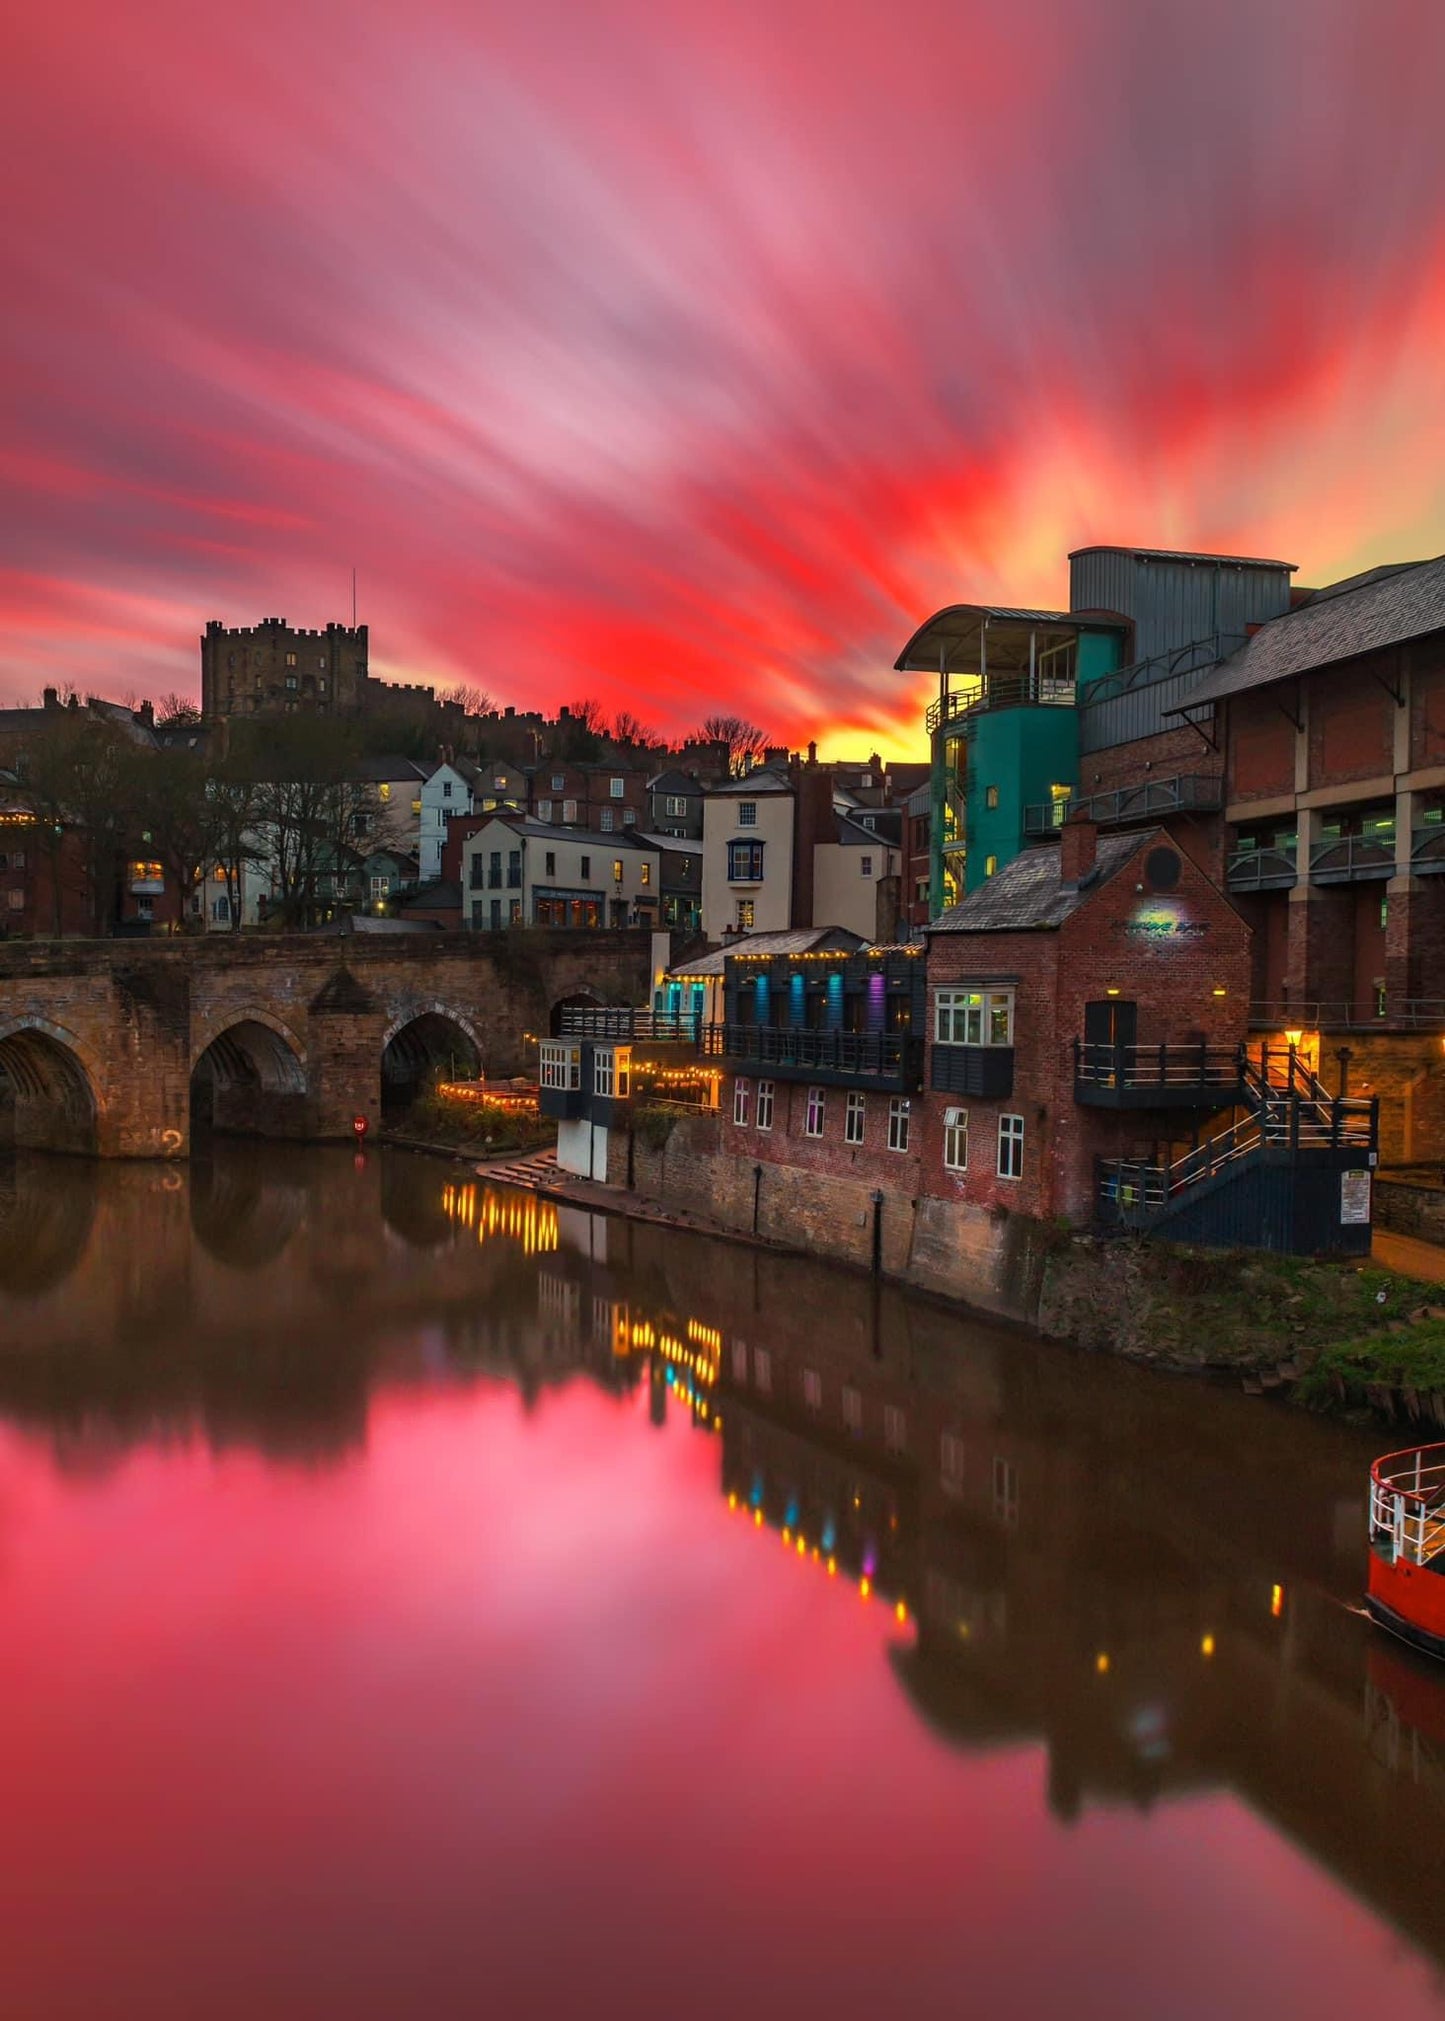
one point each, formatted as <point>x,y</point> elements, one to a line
<point>426,1043</point>
<point>48,1083</point>
<point>249,1074</point>
<point>577,999</point>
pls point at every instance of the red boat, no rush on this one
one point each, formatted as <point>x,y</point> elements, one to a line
<point>1407,1546</point>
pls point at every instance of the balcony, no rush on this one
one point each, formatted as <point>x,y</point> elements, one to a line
<point>1270,869</point>
<point>891,1060</point>
<point>1427,848</point>
<point>621,1021</point>
<point>984,1071</point>
<point>1350,859</point>
<point>1192,793</point>
<point>1168,1076</point>
<point>981,692</point>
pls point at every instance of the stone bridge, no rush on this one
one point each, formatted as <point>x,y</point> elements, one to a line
<point>120,1048</point>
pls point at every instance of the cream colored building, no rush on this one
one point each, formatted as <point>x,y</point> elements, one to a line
<point>748,827</point>
<point>855,882</point>
<point>526,873</point>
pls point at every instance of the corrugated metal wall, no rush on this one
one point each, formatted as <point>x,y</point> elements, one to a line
<point>1137,713</point>
<point>1173,602</point>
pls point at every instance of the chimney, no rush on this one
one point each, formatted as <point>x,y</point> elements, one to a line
<point>875,762</point>
<point>813,753</point>
<point>51,698</point>
<point>1078,847</point>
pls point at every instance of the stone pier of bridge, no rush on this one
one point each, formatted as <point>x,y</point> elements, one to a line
<point>120,1048</point>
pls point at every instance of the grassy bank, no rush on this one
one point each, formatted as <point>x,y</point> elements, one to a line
<point>487,1128</point>
<point>1351,1336</point>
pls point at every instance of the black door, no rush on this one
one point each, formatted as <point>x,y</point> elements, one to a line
<point>1110,1029</point>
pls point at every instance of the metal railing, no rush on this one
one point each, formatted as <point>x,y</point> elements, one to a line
<point>1351,856</point>
<point>1181,1065</point>
<point>621,1021</point>
<point>1323,1013</point>
<point>981,692</point>
<point>1261,869</point>
<point>832,1051</point>
<point>1407,1504</point>
<point>1191,658</point>
<point>1189,793</point>
<point>1427,847</point>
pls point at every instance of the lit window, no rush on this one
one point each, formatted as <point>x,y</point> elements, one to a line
<point>973,1017</point>
<point>898,1123</point>
<point>383,791</point>
<point>612,1072</point>
<point>955,1140</point>
<point>745,862</point>
<point>817,1109</point>
<point>747,813</point>
<point>644,875</point>
<point>740,1103</point>
<point>745,914</point>
<point>617,870</point>
<point>561,1066</point>
<point>1010,1147</point>
<point>990,797</point>
<point>853,1119</point>
<point>990,865</point>
<point>290,659</point>
<point>321,662</point>
<point>765,1105</point>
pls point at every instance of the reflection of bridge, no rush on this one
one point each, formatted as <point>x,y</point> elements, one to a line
<point>118,1047</point>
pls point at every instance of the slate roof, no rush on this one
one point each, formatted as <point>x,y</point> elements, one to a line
<point>674,782</point>
<point>1385,610</point>
<point>798,940</point>
<point>685,845</point>
<point>1029,894</point>
<point>762,779</point>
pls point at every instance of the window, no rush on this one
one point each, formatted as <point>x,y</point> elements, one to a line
<point>762,1369</point>
<point>569,811</point>
<point>895,1428</point>
<point>221,911</point>
<point>549,863</point>
<point>499,782</point>
<point>865,866</point>
<point>990,865</point>
<point>321,661</point>
<point>1006,1492</point>
<point>291,681</point>
<point>740,1362</point>
<point>514,869</point>
<point>744,911</point>
<point>1010,1147</point>
<point>561,1065</point>
<point>558,782</point>
<point>644,875</point>
<point>446,789</point>
<point>950,1463</point>
<point>990,797</point>
<point>617,870</point>
<point>973,1017</point>
<point>817,1109</point>
<point>15,900</point>
<point>605,821</point>
<point>514,912</point>
<point>612,1072</point>
<point>898,1123</point>
<point>629,817</point>
<point>812,1389</point>
<point>379,888</point>
<point>853,1408</point>
<point>676,807</point>
<point>17,859</point>
<point>496,909</point>
<point>586,869</point>
<point>747,813</point>
<point>765,1105</point>
<point>740,1103</point>
<point>745,862</point>
<point>853,1119</point>
<point>494,871</point>
<point>955,1140</point>
<point>478,920</point>
<point>616,787</point>
<point>291,661</point>
<point>544,810</point>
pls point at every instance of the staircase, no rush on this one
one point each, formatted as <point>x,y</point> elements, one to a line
<point>1262,1181</point>
<point>540,1170</point>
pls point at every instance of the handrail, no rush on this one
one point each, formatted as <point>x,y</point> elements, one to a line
<point>796,1046</point>
<point>622,1021</point>
<point>1187,659</point>
<point>1001,691</point>
<point>1407,1503</point>
<point>1352,856</point>
<point>1187,792</point>
<point>1171,1064</point>
<point>1277,864</point>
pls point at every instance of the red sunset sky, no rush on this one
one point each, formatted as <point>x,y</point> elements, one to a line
<point>691,354</point>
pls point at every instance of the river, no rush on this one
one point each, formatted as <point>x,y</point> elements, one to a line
<point>420,1600</point>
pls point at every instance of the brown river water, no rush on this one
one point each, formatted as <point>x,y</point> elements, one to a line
<point>420,1600</point>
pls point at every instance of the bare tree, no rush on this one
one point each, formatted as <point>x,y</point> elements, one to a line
<point>745,742</point>
<point>589,714</point>
<point>174,712</point>
<point>469,698</point>
<point>79,777</point>
<point>630,729</point>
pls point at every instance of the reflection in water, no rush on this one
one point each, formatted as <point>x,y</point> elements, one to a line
<point>1149,1585</point>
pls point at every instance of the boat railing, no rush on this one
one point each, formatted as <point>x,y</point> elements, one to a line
<point>1407,1505</point>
